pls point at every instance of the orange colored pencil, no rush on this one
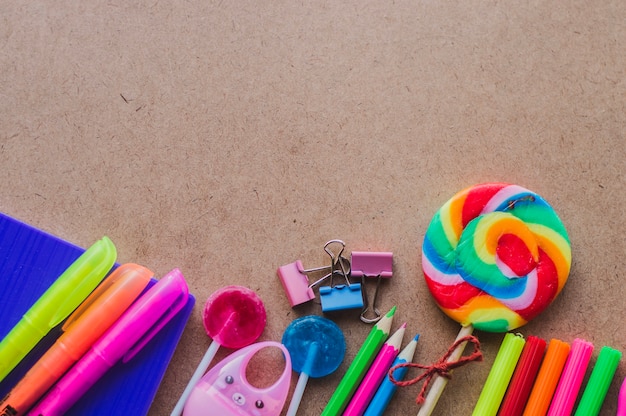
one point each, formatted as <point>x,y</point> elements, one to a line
<point>547,379</point>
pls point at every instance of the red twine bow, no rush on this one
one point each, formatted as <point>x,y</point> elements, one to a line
<point>443,367</point>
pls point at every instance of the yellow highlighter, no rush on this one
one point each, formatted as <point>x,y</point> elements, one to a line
<point>70,289</point>
<point>82,329</point>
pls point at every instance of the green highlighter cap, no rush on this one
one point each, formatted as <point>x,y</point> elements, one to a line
<point>70,289</point>
<point>500,375</point>
<point>599,382</point>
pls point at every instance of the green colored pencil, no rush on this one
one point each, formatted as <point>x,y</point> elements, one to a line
<point>599,382</point>
<point>359,366</point>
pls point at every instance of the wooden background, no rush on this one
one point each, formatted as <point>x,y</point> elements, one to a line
<point>229,138</point>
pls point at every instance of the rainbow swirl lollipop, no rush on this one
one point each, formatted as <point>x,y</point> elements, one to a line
<point>494,256</point>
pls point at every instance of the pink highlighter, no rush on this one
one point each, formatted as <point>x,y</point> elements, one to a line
<point>122,341</point>
<point>621,400</point>
<point>571,379</point>
<point>225,391</point>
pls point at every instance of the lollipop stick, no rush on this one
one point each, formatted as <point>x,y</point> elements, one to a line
<point>197,375</point>
<point>297,394</point>
<point>303,379</point>
<point>440,382</point>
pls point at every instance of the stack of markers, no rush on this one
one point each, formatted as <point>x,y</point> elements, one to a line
<point>365,388</point>
<point>528,379</point>
<point>107,318</point>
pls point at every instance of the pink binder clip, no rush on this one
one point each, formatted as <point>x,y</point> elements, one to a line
<point>295,280</point>
<point>371,264</point>
<point>296,283</point>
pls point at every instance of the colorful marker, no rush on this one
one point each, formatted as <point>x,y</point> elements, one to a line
<point>523,377</point>
<point>360,364</point>
<point>376,373</point>
<point>499,376</point>
<point>387,389</point>
<point>599,382</point>
<point>571,379</point>
<point>82,329</point>
<point>547,379</point>
<point>621,400</point>
<point>57,303</point>
<point>142,321</point>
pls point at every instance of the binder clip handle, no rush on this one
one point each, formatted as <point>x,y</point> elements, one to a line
<point>339,264</point>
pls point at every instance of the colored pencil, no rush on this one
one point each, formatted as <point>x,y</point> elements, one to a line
<point>374,376</point>
<point>360,364</point>
<point>387,389</point>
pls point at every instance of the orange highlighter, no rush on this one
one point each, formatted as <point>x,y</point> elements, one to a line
<point>81,330</point>
<point>547,379</point>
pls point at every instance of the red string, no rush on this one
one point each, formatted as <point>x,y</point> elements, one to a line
<point>442,367</point>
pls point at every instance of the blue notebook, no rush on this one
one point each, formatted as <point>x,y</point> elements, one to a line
<point>30,261</point>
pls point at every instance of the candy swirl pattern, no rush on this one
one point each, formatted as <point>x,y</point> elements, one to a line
<point>495,256</point>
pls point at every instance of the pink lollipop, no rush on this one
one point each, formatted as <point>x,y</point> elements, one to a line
<point>234,317</point>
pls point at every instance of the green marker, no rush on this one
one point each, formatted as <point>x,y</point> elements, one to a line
<point>57,302</point>
<point>599,382</point>
<point>499,375</point>
<point>361,363</point>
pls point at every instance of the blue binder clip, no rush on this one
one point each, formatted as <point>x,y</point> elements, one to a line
<point>341,296</point>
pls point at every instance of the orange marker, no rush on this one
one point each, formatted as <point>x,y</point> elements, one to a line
<point>547,379</point>
<point>101,309</point>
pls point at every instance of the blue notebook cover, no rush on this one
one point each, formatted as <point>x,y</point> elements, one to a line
<point>30,261</point>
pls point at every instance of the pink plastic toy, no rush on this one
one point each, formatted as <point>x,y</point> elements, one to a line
<point>234,317</point>
<point>225,391</point>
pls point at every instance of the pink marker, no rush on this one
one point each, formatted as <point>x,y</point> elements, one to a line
<point>571,378</point>
<point>376,373</point>
<point>621,400</point>
<point>144,319</point>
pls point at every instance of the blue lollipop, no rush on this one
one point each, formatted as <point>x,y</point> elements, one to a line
<point>317,347</point>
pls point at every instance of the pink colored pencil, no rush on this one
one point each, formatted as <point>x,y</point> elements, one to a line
<point>376,373</point>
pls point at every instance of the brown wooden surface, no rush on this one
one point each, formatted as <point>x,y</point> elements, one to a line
<point>229,138</point>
